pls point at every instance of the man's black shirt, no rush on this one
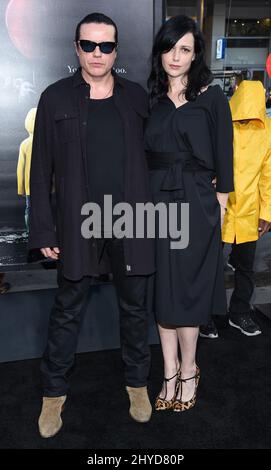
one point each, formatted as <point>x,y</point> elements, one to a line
<point>105,152</point>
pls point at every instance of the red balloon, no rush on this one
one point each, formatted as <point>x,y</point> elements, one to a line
<point>26,24</point>
<point>268,65</point>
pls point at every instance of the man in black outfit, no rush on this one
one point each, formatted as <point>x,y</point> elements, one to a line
<point>89,135</point>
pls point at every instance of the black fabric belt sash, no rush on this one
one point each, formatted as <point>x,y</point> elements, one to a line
<point>175,163</point>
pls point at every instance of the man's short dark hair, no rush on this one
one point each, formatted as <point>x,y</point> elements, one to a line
<point>96,18</point>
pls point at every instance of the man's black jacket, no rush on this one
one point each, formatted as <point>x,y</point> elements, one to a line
<point>59,149</point>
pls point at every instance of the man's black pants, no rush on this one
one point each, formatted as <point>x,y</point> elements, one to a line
<point>65,320</point>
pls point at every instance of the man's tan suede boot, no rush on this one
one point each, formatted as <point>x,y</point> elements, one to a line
<point>140,407</point>
<point>50,420</point>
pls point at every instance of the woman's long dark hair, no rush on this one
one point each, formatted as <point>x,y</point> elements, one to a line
<point>199,74</point>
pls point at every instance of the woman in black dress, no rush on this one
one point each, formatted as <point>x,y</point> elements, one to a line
<point>189,144</point>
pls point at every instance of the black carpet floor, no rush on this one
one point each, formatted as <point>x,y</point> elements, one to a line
<point>233,410</point>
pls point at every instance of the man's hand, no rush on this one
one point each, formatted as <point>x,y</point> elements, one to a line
<point>50,252</point>
<point>264,227</point>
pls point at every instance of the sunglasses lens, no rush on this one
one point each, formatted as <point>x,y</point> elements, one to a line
<point>87,46</point>
<point>107,47</point>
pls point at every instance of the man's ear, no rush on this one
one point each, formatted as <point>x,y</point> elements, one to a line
<point>76,48</point>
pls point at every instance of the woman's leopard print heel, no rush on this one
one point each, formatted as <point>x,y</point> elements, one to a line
<point>180,405</point>
<point>162,404</point>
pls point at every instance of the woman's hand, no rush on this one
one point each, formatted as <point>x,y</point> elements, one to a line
<point>222,214</point>
<point>222,199</point>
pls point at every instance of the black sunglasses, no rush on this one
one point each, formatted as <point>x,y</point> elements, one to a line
<point>90,46</point>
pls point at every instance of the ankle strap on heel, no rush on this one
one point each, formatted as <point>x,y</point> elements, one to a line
<point>189,378</point>
<point>166,380</point>
<point>175,375</point>
<point>196,376</point>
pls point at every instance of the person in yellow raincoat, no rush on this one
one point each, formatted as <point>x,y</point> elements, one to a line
<point>248,214</point>
<point>24,161</point>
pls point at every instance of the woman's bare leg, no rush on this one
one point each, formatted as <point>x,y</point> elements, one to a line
<point>169,343</point>
<point>188,337</point>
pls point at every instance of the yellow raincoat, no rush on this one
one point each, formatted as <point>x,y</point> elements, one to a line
<point>24,161</point>
<point>251,198</point>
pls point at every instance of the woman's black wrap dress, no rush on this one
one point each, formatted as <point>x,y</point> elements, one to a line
<point>186,148</point>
